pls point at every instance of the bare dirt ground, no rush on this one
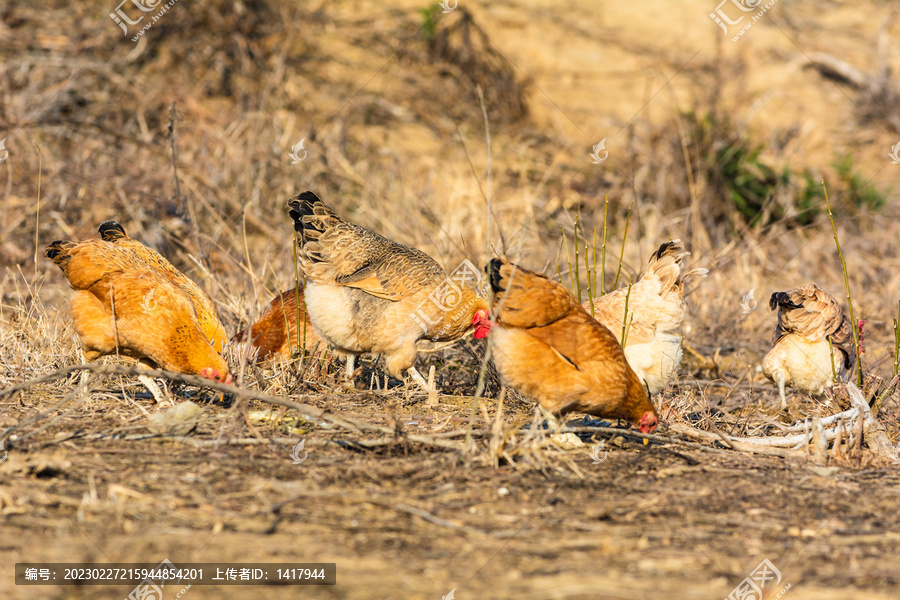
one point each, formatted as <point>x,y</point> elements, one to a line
<point>460,496</point>
<point>406,520</point>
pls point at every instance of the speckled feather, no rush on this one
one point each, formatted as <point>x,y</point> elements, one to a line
<point>813,315</point>
<point>366,293</point>
<point>333,251</point>
<point>207,316</point>
<point>548,347</point>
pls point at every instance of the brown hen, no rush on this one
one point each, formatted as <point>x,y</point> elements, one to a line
<point>276,332</point>
<point>123,307</point>
<point>549,348</point>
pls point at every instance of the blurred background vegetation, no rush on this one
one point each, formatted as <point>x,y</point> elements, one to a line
<point>184,136</point>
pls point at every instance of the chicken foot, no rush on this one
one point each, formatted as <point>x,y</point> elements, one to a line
<point>154,389</point>
<point>151,385</point>
<point>779,379</point>
<point>417,377</point>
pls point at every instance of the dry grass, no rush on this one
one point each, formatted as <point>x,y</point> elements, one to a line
<point>726,157</point>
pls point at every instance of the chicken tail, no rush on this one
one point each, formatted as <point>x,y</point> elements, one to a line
<point>60,252</point>
<point>111,231</point>
<point>666,264</point>
<point>498,287</point>
<point>311,216</point>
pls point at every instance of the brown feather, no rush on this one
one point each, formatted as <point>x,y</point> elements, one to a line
<point>123,307</point>
<point>276,331</point>
<point>548,347</point>
<point>207,316</point>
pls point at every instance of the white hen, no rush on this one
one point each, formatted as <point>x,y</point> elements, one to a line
<point>655,311</point>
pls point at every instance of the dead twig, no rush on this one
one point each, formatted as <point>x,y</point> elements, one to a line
<point>310,412</point>
<point>640,436</point>
<point>741,446</point>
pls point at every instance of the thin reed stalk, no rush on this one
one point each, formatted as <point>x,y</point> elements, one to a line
<point>896,342</point>
<point>603,249</point>
<point>853,324</point>
<point>589,278</point>
<point>622,251</point>
<point>626,324</point>
<point>577,270</point>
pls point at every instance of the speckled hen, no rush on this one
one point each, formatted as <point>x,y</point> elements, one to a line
<point>366,293</point>
<point>801,356</point>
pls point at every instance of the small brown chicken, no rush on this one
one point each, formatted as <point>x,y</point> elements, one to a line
<point>365,293</point>
<point>123,307</point>
<point>800,356</point>
<point>549,348</point>
<point>112,232</point>
<point>276,331</point>
<point>655,311</point>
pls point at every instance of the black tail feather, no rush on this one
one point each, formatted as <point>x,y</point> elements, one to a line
<point>663,248</point>
<point>493,271</point>
<point>111,231</point>
<point>781,299</point>
<point>303,205</point>
<point>58,252</point>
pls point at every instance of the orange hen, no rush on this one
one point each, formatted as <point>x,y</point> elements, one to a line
<point>212,328</point>
<point>549,348</point>
<point>123,307</point>
<point>276,332</point>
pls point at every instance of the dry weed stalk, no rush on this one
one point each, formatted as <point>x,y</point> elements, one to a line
<point>896,342</point>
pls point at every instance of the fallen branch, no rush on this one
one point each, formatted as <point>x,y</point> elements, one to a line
<point>834,68</point>
<point>187,439</point>
<point>787,441</point>
<point>847,415</point>
<point>426,516</point>
<point>640,436</point>
<point>739,444</point>
<point>873,430</point>
<point>308,411</point>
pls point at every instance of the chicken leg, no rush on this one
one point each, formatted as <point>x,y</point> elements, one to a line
<point>417,377</point>
<point>351,367</point>
<point>779,379</point>
<point>151,385</point>
<point>154,389</point>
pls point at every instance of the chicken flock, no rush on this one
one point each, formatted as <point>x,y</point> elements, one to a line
<point>365,294</point>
